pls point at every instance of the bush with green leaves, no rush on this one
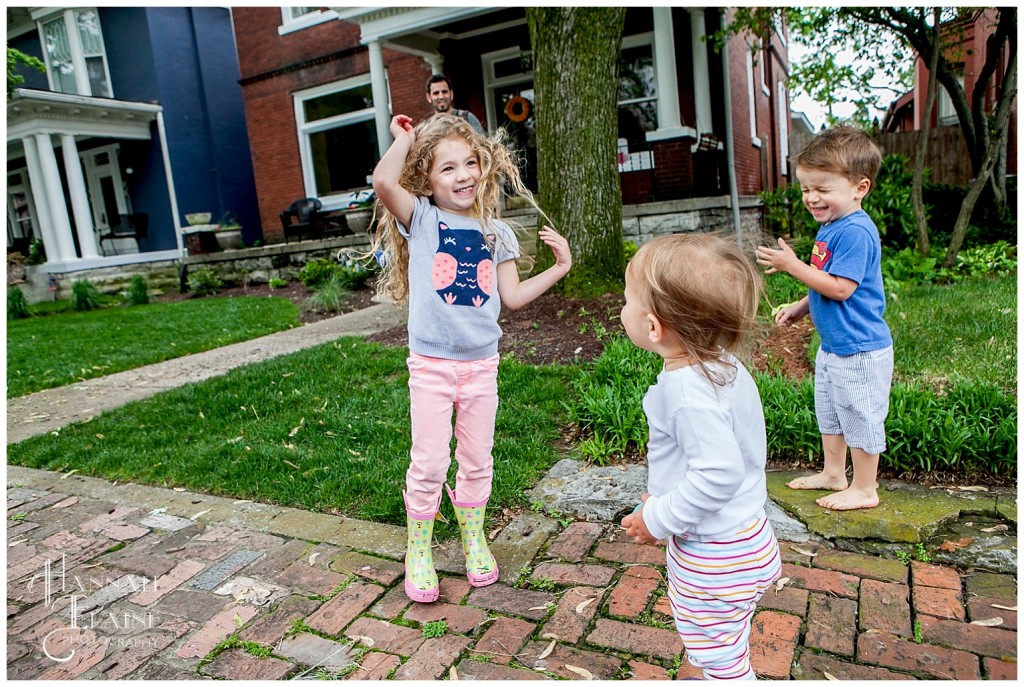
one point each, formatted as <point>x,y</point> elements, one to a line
<point>277,283</point>
<point>907,267</point>
<point>317,271</point>
<point>17,304</point>
<point>969,428</point>
<point>890,202</point>
<point>138,291</point>
<point>85,296</point>
<point>204,282</point>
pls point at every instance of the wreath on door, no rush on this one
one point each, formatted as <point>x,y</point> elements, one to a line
<point>517,109</point>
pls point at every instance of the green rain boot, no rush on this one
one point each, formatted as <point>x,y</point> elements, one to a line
<point>420,577</point>
<point>481,568</point>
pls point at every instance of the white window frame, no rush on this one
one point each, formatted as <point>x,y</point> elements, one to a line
<point>945,114</point>
<point>82,84</point>
<point>763,63</point>
<point>755,140</point>
<point>303,129</point>
<point>21,187</point>
<point>783,130</point>
<point>635,41</point>
<point>94,175</point>
<point>290,22</point>
<point>488,60</point>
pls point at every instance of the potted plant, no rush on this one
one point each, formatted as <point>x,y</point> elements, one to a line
<point>16,268</point>
<point>229,232</point>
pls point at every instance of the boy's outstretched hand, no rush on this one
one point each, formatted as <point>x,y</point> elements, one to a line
<point>782,259</point>
<point>635,526</point>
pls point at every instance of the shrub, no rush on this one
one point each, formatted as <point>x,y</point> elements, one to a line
<point>138,292</point>
<point>85,296</point>
<point>36,252</point>
<point>277,283</point>
<point>317,271</point>
<point>785,214</point>
<point>890,203</point>
<point>17,304</point>
<point>204,282</point>
<point>329,296</point>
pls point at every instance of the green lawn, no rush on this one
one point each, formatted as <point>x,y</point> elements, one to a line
<point>325,429</point>
<point>956,332</point>
<point>51,351</point>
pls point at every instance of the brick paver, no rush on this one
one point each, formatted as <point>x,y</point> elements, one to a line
<point>839,616</point>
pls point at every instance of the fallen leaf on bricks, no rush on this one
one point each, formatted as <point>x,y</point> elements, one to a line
<point>804,552</point>
<point>547,652</point>
<point>312,558</point>
<point>582,672</point>
<point>996,528</point>
<point>453,674</point>
<point>990,622</point>
<point>952,546</point>
<point>549,635</point>
<point>200,513</point>
<point>538,608</point>
<point>829,676</point>
<point>1005,608</point>
<point>780,584</point>
<point>583,604</point>
<point>364,640</point>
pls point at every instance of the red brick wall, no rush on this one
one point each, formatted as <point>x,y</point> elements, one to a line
<point>274,67</point>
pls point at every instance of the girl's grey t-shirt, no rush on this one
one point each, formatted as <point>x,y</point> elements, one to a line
<point>453,282</point>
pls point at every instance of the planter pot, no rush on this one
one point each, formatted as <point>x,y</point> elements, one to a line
<point>229,239</point>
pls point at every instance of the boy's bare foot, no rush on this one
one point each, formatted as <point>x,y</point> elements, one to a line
<point>849,499</point>
<point>818,481</point>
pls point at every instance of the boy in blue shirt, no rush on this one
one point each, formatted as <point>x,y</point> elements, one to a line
<point>846,301</point>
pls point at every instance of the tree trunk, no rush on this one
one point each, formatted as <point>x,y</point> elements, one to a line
<point>575,53</point>
<point>1007,96</point>
<point>917,191</point>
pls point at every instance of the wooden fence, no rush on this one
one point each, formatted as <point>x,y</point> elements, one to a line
<point>947,156</point>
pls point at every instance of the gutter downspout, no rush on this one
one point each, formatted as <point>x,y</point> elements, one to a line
<point>730,155</point>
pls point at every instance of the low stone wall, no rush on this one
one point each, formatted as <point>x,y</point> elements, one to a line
<point>640,223</point>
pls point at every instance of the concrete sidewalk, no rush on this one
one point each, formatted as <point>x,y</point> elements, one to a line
<point>108,581</point>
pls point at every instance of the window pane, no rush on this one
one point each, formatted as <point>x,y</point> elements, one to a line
<point>343,157</point>
<point>636,73</point>
<point>342,102</point>
<point>89,30</point>
<point>300,11</point>
<point>97,76</point>
<point>58,51</point>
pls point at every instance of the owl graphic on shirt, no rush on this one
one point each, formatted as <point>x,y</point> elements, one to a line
<point>463,268</point>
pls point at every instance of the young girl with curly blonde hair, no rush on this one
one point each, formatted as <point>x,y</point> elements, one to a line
<point>446,252</point>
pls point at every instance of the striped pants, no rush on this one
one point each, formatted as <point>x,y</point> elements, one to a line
<point>713,588</point>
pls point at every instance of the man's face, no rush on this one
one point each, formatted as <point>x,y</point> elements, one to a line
<point>440,96</point>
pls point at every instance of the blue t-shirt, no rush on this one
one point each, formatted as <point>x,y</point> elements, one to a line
<point>849,247</point>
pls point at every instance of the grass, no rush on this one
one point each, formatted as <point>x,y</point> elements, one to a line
<point>956,332</point>
<point>51,351</point>
<point>325,429</point>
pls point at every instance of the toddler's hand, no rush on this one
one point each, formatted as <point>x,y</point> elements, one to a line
<point>790,313</point>
<point>778,260</point>
<point>635,526</point>
<point>401,125</point>
<point>559,246</point>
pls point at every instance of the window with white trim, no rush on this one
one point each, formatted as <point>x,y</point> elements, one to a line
<point>76,61</point>
<point>946,111</point>
<point>637,88</point>
<point>297,18</point>
<point>780,91</point>
<point>762,59</point>
<point>751,99</point>
<point>337,137</point>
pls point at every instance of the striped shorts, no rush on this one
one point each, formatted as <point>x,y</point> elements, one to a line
<point>713,588</point>
<point>851,396</point>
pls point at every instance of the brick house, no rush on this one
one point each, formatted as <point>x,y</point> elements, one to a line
<point>320,86</point>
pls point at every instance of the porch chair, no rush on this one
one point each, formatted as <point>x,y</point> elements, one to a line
<point>302,218</point>
<point>134,226</point>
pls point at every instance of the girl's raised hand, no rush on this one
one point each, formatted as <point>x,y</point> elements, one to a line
<point>559,246</point>
<point>401,125</point>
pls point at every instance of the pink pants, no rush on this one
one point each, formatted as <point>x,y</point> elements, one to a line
<point>436,386</point>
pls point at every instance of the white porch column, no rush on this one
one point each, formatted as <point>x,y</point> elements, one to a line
<point>701,82</point>
<point>436,63</point>
<point>665,73</point>
<point>79,198</point>
<point>55,199</point>
<point>37,184</point>
<point>379,88</point>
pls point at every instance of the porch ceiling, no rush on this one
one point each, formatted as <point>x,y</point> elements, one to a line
<point>419,27</point>
<point>31,111</point>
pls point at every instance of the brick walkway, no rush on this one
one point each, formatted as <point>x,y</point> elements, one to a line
<point>171,585</point>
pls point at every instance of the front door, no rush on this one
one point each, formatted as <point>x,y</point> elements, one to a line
<point>107,195</point>
<point>21,212</point>
<point>508,81</point>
